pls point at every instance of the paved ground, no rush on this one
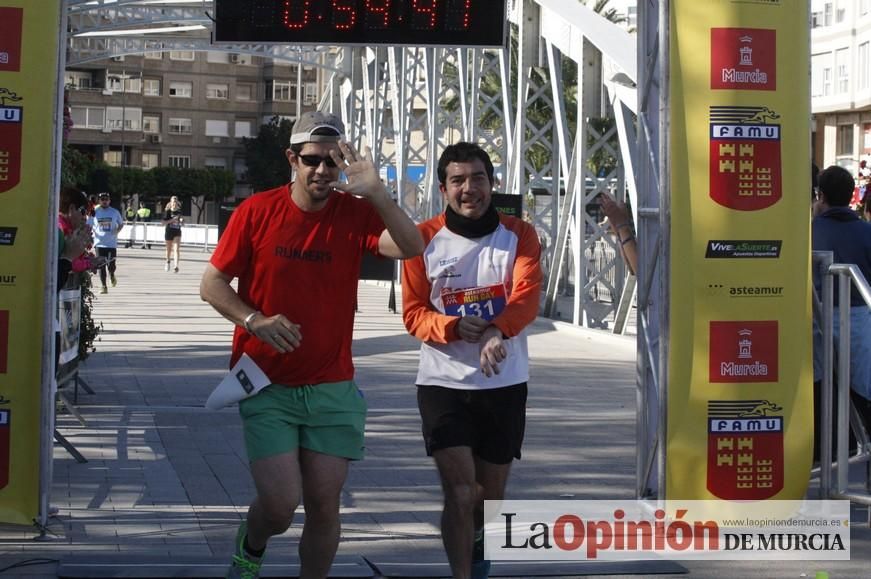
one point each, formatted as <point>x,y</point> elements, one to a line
<point>167,480</point>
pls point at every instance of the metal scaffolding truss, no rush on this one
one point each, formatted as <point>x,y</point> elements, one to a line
<point>653,222</point>
<point>127,15</point>
<point>408,103</point>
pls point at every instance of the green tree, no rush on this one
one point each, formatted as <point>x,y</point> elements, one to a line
<point>265,155</point>
<point>213,185</point>
<point>77,167</point>
<point>195,185</point>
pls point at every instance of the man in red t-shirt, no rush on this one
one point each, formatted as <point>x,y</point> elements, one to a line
<point>296,252</point>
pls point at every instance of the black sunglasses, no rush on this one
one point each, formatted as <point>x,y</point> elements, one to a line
<point>316,160</point>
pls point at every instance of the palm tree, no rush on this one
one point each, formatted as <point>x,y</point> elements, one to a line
<point>537,112</point>
<point>599,7</point>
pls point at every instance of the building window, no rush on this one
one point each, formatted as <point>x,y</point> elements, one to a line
<point>150,160</point>
<point>180,89</point>
<point>216,163</point>
<point>217,57</point>
<point>817,64</point>
<point>842,59</point>
<point>242,129</point>
<point>123,83</point>
<point>88,117</point>
<point>840,11</point>
<point>827,81</point>
<point>180,126</point>
<point>217,128</point>
<point>114,157</point>
<point>244,92</point>
<point>240,167</point>
<point>277,90</point>
<point>150,124</point>
<point>179,161</point>
<point>311,93</point>
<point>827,14</point>
<point>151,87</point>
<point>845,141</point>
<point>217,91</point>
<point>78,80</point>
<point>181,55</point>
<point>153,50</point>
<point>124,118</point>
<point>862,64</point>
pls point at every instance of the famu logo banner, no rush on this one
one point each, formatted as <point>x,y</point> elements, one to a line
<point>10,139</point>
<point>690,530</point>
<point>745,157</point>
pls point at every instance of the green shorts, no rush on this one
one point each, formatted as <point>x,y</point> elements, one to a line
<point>328,418</point>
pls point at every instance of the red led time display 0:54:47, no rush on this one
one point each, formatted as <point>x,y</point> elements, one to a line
<point>379,14</point>
<point>408,22</point>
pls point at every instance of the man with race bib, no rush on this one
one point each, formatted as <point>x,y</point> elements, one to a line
<point>107,223</point>
<point>469,298</point>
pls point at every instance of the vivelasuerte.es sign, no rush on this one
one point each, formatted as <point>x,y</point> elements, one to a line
<point>738,249</point>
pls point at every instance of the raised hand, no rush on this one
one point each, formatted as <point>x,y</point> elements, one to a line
<point>360,170</point>
<point>76,243</point>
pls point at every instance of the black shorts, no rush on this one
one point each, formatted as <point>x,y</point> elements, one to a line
<point>491,422</point>
<point>171,233</point>
<point>108,252</point>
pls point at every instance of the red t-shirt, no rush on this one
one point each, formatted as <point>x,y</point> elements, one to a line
<point>305,266</point>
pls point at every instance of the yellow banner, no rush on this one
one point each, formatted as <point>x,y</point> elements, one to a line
<point>28,95</point>
<point>740,403</point>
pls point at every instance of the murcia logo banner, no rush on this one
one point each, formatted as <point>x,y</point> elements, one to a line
<point>743,58</point>
<point>743,351</point>
<point>10,38</point>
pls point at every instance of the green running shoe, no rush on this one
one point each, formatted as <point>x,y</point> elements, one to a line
<point>244,565</point>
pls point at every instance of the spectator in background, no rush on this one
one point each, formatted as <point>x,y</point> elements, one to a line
<point>130,215</point>
<point>74,236</point>
<point>862,180</point>
<point>838,229</point>
<point>172,236</point>
<point>620,222</point>
<point>144,215</point>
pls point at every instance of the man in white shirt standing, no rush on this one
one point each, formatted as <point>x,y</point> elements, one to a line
<point>469,298</point>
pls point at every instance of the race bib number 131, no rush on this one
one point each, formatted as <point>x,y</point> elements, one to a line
<point>484,302</point>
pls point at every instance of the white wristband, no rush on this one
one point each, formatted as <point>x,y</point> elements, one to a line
<point>247,321</point>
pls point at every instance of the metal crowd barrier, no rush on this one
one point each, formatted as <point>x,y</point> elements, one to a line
<point>151,233</point>
<point>847,275</point>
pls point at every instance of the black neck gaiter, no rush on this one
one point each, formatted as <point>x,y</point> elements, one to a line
<point>472,228</point>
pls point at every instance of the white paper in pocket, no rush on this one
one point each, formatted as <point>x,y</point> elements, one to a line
<point>244,380</point>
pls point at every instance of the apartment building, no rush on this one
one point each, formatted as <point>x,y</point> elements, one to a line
<point>183,108</point>
<point>841,82</point>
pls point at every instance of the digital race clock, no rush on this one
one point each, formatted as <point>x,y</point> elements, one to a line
<point>363,22</point>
